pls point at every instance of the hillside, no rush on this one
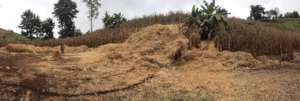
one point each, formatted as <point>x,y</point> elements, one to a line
<point>251,36</point>
<point>2,32</point>
<point>118,34</point>
<point>144,67</point>
<point>8,36</point>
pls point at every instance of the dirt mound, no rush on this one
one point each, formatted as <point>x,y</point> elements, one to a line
<point>107,68</point>
<point>153,45</point>
<point>156,44</point>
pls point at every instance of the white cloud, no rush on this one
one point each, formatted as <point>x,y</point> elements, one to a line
<point>11,10</point>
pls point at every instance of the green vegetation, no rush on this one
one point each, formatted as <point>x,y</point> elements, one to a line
<point>258,13</point>
<point>112,21</point>
<point>77,33</point>
<point>290,22</point>
<point>30,24</point>
<point>293,14</point>
<point>206,22</point>
<point>47,27</point>
<point>65,11</point>
<point>33,28</point>
<point>11,37</point>
<point>257,38</point>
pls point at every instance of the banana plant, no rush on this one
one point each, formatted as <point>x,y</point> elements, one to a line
<point>207,19</point>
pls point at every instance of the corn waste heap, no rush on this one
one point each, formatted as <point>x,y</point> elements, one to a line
<point>202,56</point>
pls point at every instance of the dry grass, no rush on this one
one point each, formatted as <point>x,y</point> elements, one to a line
<point>120,71</point>
<point>3,43</point>
<point>259,38</point>
<point>116,35</point>
<point>20,48</point>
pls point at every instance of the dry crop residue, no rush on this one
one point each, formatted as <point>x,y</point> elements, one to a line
<point>142,69</point>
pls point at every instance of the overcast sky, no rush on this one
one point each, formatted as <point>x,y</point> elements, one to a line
<point>11,10</point>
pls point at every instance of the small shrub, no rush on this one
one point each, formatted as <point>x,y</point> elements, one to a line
<point>112,21</point>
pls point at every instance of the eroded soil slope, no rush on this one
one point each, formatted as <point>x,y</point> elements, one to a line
<point>143,68</point>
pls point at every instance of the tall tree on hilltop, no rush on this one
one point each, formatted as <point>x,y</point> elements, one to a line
<point>65,11</point>
<point>30,24</point>
<point>47,27</point>
<point>93,6</point>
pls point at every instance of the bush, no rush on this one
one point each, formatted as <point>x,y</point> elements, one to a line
<point>112,21</point>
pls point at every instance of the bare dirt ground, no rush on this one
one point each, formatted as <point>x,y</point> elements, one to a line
<point>141,69</point>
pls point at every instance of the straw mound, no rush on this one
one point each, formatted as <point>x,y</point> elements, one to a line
<point>156,44</point>
<point>22,48</point>
<point>114,67</point>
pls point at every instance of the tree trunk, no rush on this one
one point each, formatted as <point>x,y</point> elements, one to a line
<point>91,19</point>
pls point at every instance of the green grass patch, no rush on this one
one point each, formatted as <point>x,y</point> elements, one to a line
<point>9,36</point>
<point>291,22</point>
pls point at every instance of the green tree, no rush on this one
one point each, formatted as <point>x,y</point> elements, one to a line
<point>223,11</point>
<point>111,21</point>
<point>257,12</point>
<point>30,24</point>
<point>47,27</point>
<point>93,6</point>
<point>272,14</point>
<point>205,20</point>
<point>65,11</point>
<point>293,14</point>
